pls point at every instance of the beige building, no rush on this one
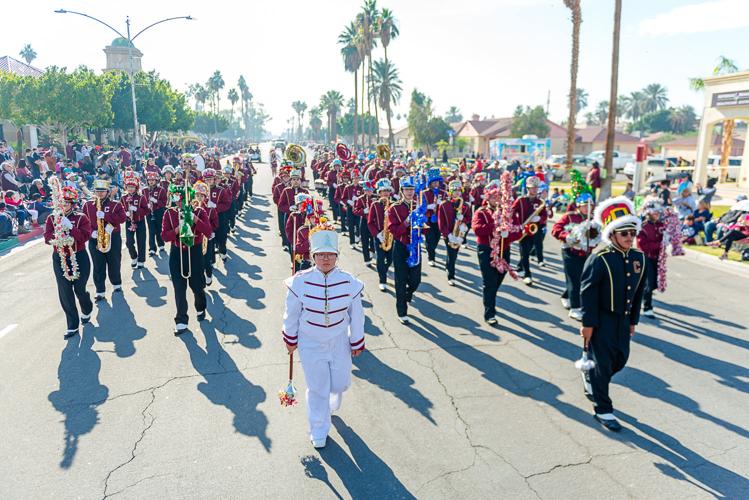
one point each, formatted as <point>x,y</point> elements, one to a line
<point>118,56</point>
<point>479,133</point>
<point>593,138</point>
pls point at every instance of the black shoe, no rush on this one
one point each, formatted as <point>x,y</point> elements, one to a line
<point>201,316</point>
<point>85,318</point>
<point>99,298</point>
<point>70,334</point>
<point>611,424</point>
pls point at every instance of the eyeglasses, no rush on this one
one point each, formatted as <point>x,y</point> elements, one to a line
<point>630,234</point>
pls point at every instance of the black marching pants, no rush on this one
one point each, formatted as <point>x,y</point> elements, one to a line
<point>573,271</point>
<point>333,205</point>
<point>222,232</point>
<point>107,263</point>
<point>407,279</point>
<point>192,264</point>
<point>609,348</point>
<point>155,220</point>
<point>384,260</point>
<point>491,278</point>
<point>432,240</point>
<point>68,291</point>
<point>526,245</point>
<point>367,240</point>
<point>136,237</point>
<point>353,225</point>
<point>209,258</point>
<point>452,257</point>
<point>651,283</point>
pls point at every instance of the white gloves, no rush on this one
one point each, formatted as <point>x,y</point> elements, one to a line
<point>397,196</point>
<point>211,204</point>
<point>66,224</point>
<point>366,210</point>
<point>335,185</point>
<point>109,228</point>
<point>133,208</point>
<point>153,200</point>
<point>535,218</point>
<point>354,198</point>
<point>212,236</point>
<point>453,239</point>
<point>471,198</point>
<point>94,234</point>
<point>99,214</point>
<point>570,240</point>
<point>504,234</point>
<point>381,236</point>
<point>463,228</point>
<point>431,206</point>
<point>459,217</point>
<point>350,202</point>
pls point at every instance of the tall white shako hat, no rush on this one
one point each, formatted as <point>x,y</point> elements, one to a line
<point>323,238</point>
<point>614,214</point>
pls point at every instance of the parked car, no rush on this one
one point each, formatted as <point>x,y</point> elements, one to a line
<point>254,153</point>
<point>657,166</point>
<point>556,164</point>
<point>713,167</point>
<point>280,144</point>
<point>619,159</point>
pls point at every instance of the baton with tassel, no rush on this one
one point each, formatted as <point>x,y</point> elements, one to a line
<point>287,395</point>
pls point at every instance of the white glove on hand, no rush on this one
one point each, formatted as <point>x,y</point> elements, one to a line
<point>535,218</point>
<point>109,228</point>
<point>212,236</point>
<point>471,198</point>
<point>463,228</point>
<point>459,217</point>
<point>153,200</point>
<point>431,206</point>
<point>350,202</point>
<point>366,210</point>
<point>66,224</point>
<point>99,214</point>
<point>397,196</point>
<point>335,185</point>
<point>94,234</point>
<point>354,198</point>
<point>133,208</point>
<point>570,240</point>
<point>380,236</point>
<point>504,234</point>
<point>451,238</point>
<point>211,204</point>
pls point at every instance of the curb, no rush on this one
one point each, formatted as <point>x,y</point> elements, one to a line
<point>20,240</point>
<point>711,261</point>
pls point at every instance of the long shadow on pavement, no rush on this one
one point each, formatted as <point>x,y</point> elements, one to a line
<point>230,323</point>
<point>117,325</point>
<point>147,287</point>
<point>80,392</point>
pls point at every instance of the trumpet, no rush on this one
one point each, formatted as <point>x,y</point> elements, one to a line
<point>457,230</point>
<point>531,228</point>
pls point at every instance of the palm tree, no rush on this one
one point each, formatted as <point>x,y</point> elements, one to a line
<point>453,114</point>
<point>724,66</point>
<point>601,113</point>
<point>331,102</point>
<point>635,104</point>
<point>299,108</point>
<point>614,92</point>
<point>351,61</point>
<point>388,29</point>
<point>233,98</point>
<point>215,84</point>
<point>245,97</point>
<point>27,53</point>
<point>387,86</point>
<point>656,97</point>
<point>201,96</point>
<point>581,100</point>
<point>368,21</point>
<point>315,123</point>
<point>577,19</point>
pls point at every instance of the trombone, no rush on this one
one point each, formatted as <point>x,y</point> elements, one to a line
<point>184,228</point>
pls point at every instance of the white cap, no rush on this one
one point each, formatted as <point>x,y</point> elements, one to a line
<point>323,241</point>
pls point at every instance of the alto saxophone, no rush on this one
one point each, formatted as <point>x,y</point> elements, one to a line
<point>387,236</point>
<point>457,232</point>
<point>103,238</point>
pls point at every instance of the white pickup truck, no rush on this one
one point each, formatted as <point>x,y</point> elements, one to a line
<point>619,159</point>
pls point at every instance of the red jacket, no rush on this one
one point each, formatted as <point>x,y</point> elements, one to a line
<point>286,199</point>
<point>560,232</point>
<point>446,213</point>
<point>434,199</point>
<point>523,207</point>
<point>114,213</point>
<point>397,222</point>
<point>376,217</point>
<point>302,242</point>
<point>221,197</point>
<point>482,225</point>
<point>650,237</point>
<point>594,178</point>
<point>277,192</point>
<point>478,195</point>
<point>170,227</point>
<point>362,204</point>
<point>80,232</point>
<point>138,201</point>
<point>294,221</point>
<point>159,193</point>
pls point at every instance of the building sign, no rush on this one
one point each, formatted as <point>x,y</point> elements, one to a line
<point>738,98</point>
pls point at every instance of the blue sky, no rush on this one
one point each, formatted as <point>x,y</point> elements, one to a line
<point>484,56</point>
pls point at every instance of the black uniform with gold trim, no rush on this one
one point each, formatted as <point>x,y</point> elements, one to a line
<point>611,295</point>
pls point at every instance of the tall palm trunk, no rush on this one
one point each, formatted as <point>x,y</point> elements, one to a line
<point>356,108</point>
<point>374,101</point>
<point>576,20</point>
<point>334,125</point>
<point>364,92</point>
<point>390,127</point>
<point>726,146</point>
<point>611,131</point>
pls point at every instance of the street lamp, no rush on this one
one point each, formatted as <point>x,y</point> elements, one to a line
<point>136,135</point>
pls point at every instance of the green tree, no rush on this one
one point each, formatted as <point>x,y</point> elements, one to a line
<point>27,53</point>
<point>315,123</point>
<point>581,101</point>
<point>656,97</point>
<point>233,97</point>
<point>424,127</point>
<point>453,115</point>
<point>331,102</point>
<point>388,29</point>
<point>388,89</point>
<point>215,84</point>
<point>529,121</point>
<point>205,123</point>
<point>17,102</point>
<point>352,60</point>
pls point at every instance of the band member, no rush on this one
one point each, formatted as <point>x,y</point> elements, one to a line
<point>295,220</point>
<point>489,239</point>
<point>286,201</point>
<point>107,216</point>
<point>398,173</point>
<point>282,183</point>
<point>332,180</point>
<point>649,241</point>
<point>579,235</point>
<point>611,296</point>
<point>302,258</point>
<point>476,195</point>
<point>136,210</point>
<point>351,194</point>
<point>376,222</point>
<point>67,230</point>
<point>156,196</point>
<point>530,212</point>
<point>361,211</point>
<point>168,175</point>
<point>452,217</point>
<point>434,196</point>
<point>186,254</point>
<point>220,201</point>
<point>407,267</point>
<point>232,185</point>
<point>249,171</point>
<point>202,197</point>
<point>344,179</point>
<point>324,319</point>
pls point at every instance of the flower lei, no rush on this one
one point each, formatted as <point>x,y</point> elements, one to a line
<point>502,223</point>
<point>672,230</point>
<point>63,242</point>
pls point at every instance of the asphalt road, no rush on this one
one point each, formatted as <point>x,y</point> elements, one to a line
<point>445,408</point>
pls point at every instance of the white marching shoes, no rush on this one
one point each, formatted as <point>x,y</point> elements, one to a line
<point>565,303</point>
<point>319,443</point>
<point>576,314</point>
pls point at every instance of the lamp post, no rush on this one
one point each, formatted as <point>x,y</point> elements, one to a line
<point>136,134</point>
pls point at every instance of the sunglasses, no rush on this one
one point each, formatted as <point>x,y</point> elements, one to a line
<point>630,234</point>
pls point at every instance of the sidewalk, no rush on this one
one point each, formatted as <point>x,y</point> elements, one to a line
<point>727,193</point>
<point>20,240</point>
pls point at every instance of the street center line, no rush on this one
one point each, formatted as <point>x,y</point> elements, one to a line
<point>5,331</point>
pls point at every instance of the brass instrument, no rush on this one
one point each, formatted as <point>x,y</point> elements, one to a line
<point>185,202</point>
<point>531,228</point>
<point>383,152</point>
<point>456,228</point>
<point>103,238</point>
<point>296,154</point>
<point>387,236</point>
<point>343,152</point>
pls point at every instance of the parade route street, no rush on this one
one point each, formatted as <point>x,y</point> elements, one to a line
<point>447,407</point>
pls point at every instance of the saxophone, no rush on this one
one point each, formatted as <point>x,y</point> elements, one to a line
<point>387,236</point>
<point>103,238</point>
<point>457,232</point>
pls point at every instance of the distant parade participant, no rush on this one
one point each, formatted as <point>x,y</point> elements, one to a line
<point>220,200</point>
<point>295,220</point>
<point>407,271</point>
<point>361,211</point>
<point>279,184</point>
<point>351,194</point>
<point>136,210</point>
<point>168,174</point>
<point>579,235</point>
<point>490,238</point>
<point>332,181</point>
<point>530,212</point>
<point>453,216</point>
<point>302,257</point>
<point>649,241</point>
<point>109,215</point>
<point>186,254</point>
<point>434,196</point>
<point>286,201</point>
<point>156,196</point>
<point>249,175</point>
<point>202,195</point>
<point>232,184</point>
<point>344,179</point>
<point>376,222</point>
<point>476,194</point>
<point>324,319</point>
<point>611,293</point>
<point>67,230</point>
